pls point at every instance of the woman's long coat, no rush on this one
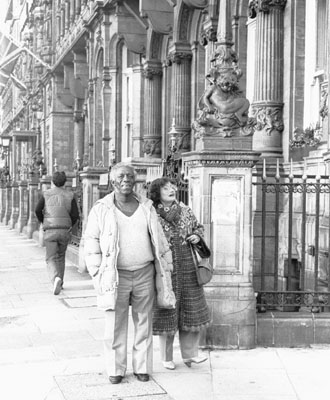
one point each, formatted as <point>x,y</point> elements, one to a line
<point>191,312</point>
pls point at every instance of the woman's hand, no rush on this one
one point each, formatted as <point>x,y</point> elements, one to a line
<point>193,239</point>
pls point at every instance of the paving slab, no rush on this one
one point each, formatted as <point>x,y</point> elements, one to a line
<point>26,355</point>
<point>252,382</point>
<point>97,387</point>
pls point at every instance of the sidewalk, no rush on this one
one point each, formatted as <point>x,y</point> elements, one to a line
<point>51,348</point>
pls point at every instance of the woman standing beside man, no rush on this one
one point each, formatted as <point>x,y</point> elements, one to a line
<point>191,314</point>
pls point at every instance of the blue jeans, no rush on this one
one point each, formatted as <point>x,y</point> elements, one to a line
<point>56,242</point>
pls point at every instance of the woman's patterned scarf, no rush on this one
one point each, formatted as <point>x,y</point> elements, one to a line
<point>170,214</point>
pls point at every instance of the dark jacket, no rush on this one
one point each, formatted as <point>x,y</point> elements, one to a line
<point>57,208</point>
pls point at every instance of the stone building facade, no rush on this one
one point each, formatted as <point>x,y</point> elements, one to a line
<point>226,84</point>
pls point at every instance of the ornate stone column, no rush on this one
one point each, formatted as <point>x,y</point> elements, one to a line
<point>15,205</point>
<point>45,184</point>
<point>152,109</point>
<point>67,15</point>
<point>8,209</point>
<point>267,107</point>
<point>106,98</point>
<point>78,129</point>
<point>72,10</point>
<point>180,59</point>
<point>78,7</point>
<point>23,206</point>
<point>32,224</point>
<point>62,19</point>
<point>2,200</point>
<point>90,177</point>
<point>220,187</point>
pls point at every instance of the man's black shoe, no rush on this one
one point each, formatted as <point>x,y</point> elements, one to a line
<point>142,377</point>
<point>115,379</point>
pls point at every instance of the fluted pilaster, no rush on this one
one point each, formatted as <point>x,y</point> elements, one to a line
<point>67,15</point>
<point>153,109</point>
<point>180,59</point>
<point>90,113</point>
<point>62,19</point>
<point>78,7</point>
<point>268,92</point>
<point>72,10</point>
<point>106,99</point>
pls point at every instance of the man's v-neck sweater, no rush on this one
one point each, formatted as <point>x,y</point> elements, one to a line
<point>135,250</point>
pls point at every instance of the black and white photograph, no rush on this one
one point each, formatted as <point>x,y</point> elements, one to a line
<point>164,199</point>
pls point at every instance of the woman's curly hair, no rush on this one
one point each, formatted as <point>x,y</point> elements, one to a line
<point>154,189</point>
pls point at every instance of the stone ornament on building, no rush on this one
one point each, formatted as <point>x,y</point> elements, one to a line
<point>308,137</point>
<point>222,108</point>
<point>268,119</point>
<point>150,73</point>
<point>221,163</point>
<point>178,58</point>
<point>152,147</point>
<point>208,35</point>
<point>324,109</point>
<point>265,6</point>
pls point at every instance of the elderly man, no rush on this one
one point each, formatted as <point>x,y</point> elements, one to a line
<point>57,210</point>
<point>125,248</point>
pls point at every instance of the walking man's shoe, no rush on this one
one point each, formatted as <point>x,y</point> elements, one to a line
<point>57,285</point>
<point>142,377</point>
<point>115,379</point>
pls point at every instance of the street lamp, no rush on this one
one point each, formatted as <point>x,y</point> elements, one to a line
<point>5,143</point>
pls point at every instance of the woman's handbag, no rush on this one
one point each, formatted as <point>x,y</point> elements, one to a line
<point>202,249</point>
<point>204,269</point>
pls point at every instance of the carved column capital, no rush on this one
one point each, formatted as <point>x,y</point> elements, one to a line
<point>150,72</point>
<point>179,57</point>
<point>265,6</point>
<point>208,35</point>
<point>268,118</point>
<point>106,78</point>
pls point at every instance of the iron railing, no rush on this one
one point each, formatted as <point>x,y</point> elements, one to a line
<point>292,241</point>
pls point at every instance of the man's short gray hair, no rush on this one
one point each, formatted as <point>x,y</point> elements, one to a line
<point>114,169</point>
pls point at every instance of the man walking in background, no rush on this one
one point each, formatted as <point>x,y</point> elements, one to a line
<point>57,210</point>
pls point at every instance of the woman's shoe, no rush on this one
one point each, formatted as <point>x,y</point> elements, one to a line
<point>195,360</point>
<point>169,364</point>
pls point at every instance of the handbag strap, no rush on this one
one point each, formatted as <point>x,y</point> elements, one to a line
<point>194,256</point>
